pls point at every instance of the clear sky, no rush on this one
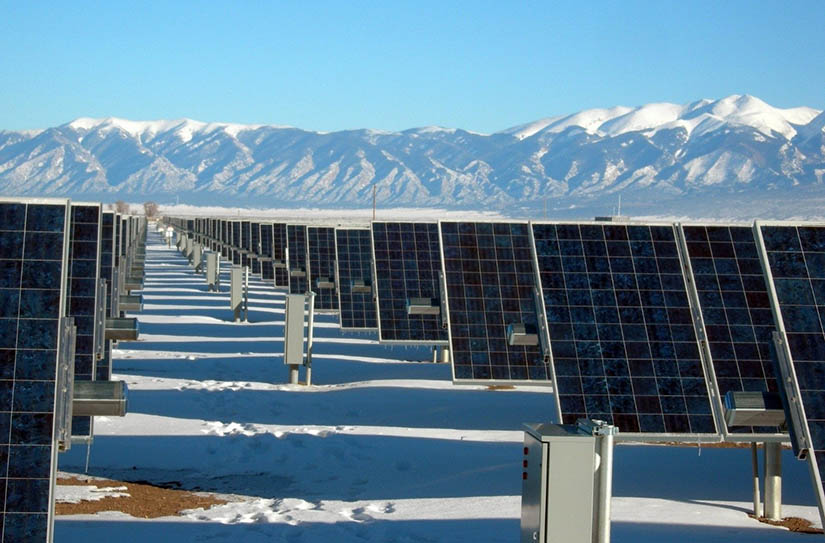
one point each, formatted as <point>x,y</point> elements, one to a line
<point>482,66</point>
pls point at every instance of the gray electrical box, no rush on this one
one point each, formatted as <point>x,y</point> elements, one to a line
<point>197,257</point>
<point>213,271</point>
<point>236,291</point>
<point>294,329</point>
<point>423,306</point>
<point>557,496</point>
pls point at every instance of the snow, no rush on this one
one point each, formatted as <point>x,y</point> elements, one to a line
<point>744,110</point>
<point>382,447</point>
<point>184,129</point>
<point>86,493</point>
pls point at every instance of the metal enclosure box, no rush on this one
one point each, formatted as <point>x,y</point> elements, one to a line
<point>423,306</point>
<point>555,506</point>
<point>100,398</point>
<point>324,282</point>
<point>744,408</point>
<point>236,290</point>
<point>197,257</point>
<point>212,270</point>
<point>294,329</point>
<point>519,334</point>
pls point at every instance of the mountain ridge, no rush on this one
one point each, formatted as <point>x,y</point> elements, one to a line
<point>720,146</point>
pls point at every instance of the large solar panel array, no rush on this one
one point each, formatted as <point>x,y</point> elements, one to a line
<point>795,262</point>
<point>407,265</point>
<point>33,256</point>
<point>84,259</point>
<point>297,261</point>
<point>355,298</point>
<point>736,314</point>
<point>621,329</point>
<point>321,248</point>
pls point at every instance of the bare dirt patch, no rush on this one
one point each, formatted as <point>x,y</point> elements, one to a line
<point>794,524</point>
<point>144,500</point>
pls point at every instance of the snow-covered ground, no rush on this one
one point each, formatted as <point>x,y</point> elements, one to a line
<point>382,447</point>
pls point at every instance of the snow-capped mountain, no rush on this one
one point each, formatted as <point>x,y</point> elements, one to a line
<point>722,147</point>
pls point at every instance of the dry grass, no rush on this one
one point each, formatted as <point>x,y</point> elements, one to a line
<point>144,500</point>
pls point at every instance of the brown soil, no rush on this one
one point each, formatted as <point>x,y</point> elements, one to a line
<point>500,387</point>
<point>144,501</point>
<point>794,524</point>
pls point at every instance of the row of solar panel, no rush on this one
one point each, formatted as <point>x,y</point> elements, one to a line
<point>650,327</point>
<point>54,259</point>
<point>613,301</point>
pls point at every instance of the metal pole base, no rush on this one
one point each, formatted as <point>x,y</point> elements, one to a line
<point>773,481</point>
<point>293,375</point>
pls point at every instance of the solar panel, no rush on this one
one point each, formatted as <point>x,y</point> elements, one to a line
<point>107,272</point>
<point>493,319</point>
<point>621,329</point>
<point>255,228</point>
<point>84,261</point>
<point>407,266</point>
<point>235,242</point>
<point>354,272</point>
<point>279,245</point>
<point>245,245</point>
<point>297,259</point>
<point>267,269</point>
<point>33,254</point>
<point>321,250</point>
<point>794,258</point>
<point>736,316</point>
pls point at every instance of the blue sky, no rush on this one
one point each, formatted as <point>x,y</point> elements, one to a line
<point>482,66</point>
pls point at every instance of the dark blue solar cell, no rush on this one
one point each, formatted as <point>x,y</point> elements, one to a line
<point>31,428</point>
<point>39,303</point>
<point>45,218</point>
<point>37,333</point>
<point>812,239</point>
<point>11,245</point>
<point>12,216</point>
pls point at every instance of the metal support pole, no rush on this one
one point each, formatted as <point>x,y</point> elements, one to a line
<point>246,294</point>
<point>293,375</point>
<point>435,354</point>
<point>310,331</point>
<point>773,480</point>
<point>445,355</point>
<point>757,501</point>
<point>605,486</point>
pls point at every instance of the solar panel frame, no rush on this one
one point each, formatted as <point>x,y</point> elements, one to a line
<point>631,330</point>
<point>29,479</point>
<point>806,442</point>
<point>297,254</point>
<point>355,308</point>
<point>108,272</point>
<point>392,307</point>
<point>504,285</point>
<point>713,267</point>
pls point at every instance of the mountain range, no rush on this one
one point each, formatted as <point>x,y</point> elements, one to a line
<point>727,149</point>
